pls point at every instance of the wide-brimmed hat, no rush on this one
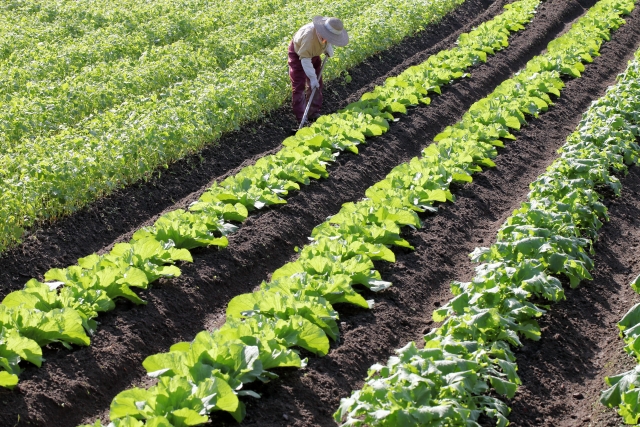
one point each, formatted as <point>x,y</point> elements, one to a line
<point>331,29</point>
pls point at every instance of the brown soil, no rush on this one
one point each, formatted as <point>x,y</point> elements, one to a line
<point>77,386</point>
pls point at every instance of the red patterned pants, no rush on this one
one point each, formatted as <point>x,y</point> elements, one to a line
<point>300,84</point>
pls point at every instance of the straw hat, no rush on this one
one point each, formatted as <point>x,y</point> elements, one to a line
<point>331,29</point>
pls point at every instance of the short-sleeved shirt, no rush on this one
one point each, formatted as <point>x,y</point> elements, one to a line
<point>306,42</point>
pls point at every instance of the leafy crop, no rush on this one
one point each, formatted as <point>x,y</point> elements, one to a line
<point>48,312</point>
<point>91,286</point>
<point>624,389</point>
<point>447,382</point>
<point>341,256</point>
<point>134,88</point>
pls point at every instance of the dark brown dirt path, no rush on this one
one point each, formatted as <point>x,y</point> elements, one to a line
<point>77,386</point>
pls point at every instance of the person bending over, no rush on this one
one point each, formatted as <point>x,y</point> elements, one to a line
<point>308,43</point>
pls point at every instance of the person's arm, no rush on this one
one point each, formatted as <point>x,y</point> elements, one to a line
<point>307,65</point>
<point>329,50</point>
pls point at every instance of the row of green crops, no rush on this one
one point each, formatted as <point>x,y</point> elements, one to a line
<point>50,166</point>
<point>446,382</point>
<point>72,297</point>
<point>295,307</point>
<point>624,389</point>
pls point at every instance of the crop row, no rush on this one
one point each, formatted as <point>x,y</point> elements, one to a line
<point>469,356</point>
<point>64,306</point>
<point>295,307</point>
<point>624,389</point>
<point>48,175</point>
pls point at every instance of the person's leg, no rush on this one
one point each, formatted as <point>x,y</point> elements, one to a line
<point>298,79</point>
<point>316,103</point>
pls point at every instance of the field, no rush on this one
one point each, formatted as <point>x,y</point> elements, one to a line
<point>562,373</point>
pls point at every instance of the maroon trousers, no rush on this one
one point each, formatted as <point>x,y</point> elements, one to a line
<point>300,84</point>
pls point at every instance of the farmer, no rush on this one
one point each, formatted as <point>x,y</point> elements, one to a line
<point>308,43</point>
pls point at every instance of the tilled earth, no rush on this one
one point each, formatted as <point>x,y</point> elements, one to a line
<point>562,373</point>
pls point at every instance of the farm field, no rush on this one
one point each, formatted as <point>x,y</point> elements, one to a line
<point>123,90</point>
<point>562,374</point>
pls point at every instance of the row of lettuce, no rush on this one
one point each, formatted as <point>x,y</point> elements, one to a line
<point>72,139</point>
<point>295,308</point>
<point>468,360</point>
<point>64,306</point>
<point>623,393</point>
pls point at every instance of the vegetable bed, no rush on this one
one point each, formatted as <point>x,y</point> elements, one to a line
<point>75,386</point>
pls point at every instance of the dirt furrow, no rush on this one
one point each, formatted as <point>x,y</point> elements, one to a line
<point>75,386</point>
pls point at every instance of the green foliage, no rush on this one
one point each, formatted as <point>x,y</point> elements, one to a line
<point>102,98</point>
<point>550,234</point>
<point>618,117</point>
<point>92,286</point>
<point>156,404</point>
<point>624,388</point>
<point>295,307</point>
<point>433,386</point>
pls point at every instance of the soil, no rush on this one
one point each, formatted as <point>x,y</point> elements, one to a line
<point>77,386</point>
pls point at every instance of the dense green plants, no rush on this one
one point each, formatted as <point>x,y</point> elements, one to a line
<point>107,117</point>
<point>328,271</point>
<point>42,97</point>
<point>48,312</point>
<point>61,39</point>
<point>468,361</point>
<point>623,392</point>
<point>91,286</point>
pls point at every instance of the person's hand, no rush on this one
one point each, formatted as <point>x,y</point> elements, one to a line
<point>329,50</point>
<point>314,84</point>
